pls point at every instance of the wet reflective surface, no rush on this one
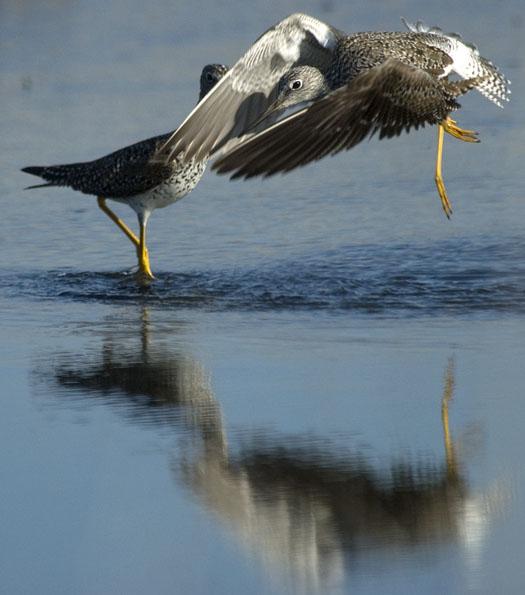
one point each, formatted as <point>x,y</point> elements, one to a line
<point>466,278</point>
<point>323,390</point>
<point>299,452</point>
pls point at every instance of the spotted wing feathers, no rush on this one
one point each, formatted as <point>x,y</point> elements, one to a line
<point>467,61</point>
<point>387,100</point>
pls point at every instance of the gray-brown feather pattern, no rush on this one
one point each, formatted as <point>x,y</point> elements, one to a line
<point>362,51</point>
<point>247,91</point>
<point>120,174</point>
<point>386,99</point>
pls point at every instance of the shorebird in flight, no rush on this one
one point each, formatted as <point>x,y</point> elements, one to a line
<point>345,88</point>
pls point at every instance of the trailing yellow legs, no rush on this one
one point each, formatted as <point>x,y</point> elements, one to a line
<point>449,126</point>
<point>139,243</point>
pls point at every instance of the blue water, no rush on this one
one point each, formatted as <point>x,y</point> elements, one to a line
<point>322,391</point>
<point>400,279</point>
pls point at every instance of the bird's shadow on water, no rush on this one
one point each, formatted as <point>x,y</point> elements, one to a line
<point>453,277</point>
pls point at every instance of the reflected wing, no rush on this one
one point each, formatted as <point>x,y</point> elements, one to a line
<point>245,92</point>
<point>387,99</point>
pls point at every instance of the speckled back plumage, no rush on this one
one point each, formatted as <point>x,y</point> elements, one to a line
<point>121,174</point>
<point>130,171</point>
<point>362,51</point>
<point>427,48</point>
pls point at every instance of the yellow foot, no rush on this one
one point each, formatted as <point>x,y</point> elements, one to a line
<point>468,136</point>
<point>442,191</point>
<point>144,278</point>
<point>144,271</point>
<point>142,252</point>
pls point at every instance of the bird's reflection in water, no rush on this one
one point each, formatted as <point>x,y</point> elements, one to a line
<point>317,512</point>
<point>308,509</point>
<point>145,381</point>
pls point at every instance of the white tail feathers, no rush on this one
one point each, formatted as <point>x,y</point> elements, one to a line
<point>466,61</point>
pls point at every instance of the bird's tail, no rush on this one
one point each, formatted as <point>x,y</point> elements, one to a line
<point>467,62</point>
<point>55,175</point>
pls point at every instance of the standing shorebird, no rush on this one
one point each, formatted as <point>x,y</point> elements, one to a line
<point>354,86</point>
<point>128,176</point>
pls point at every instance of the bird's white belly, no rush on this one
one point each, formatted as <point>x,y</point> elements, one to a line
<point>171,190</point>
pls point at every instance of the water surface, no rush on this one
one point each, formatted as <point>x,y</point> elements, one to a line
<point>322,391</point>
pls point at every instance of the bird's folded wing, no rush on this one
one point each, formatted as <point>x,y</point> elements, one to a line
<point>245,92</point>
<point>387,99</point>
<point>134,178</point>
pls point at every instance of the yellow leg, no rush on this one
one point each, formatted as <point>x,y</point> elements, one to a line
<point>144,266</point>
<point>468,136</point>
<point>445,203</point>
<point>449,126</point>
<point>104,207</point>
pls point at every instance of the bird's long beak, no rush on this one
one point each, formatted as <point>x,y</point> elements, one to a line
<point>269,116</point>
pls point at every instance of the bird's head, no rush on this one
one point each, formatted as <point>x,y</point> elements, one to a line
<point>299,86</point>
<point>210,76</point>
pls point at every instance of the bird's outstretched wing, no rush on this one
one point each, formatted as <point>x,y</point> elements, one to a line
<point>245,92</point>
<point>387,99</point>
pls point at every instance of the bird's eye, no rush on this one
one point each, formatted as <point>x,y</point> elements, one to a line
<point>209,77</point>
<point>297,84</point>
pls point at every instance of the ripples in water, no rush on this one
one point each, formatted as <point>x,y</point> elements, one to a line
<point>453,277</point>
